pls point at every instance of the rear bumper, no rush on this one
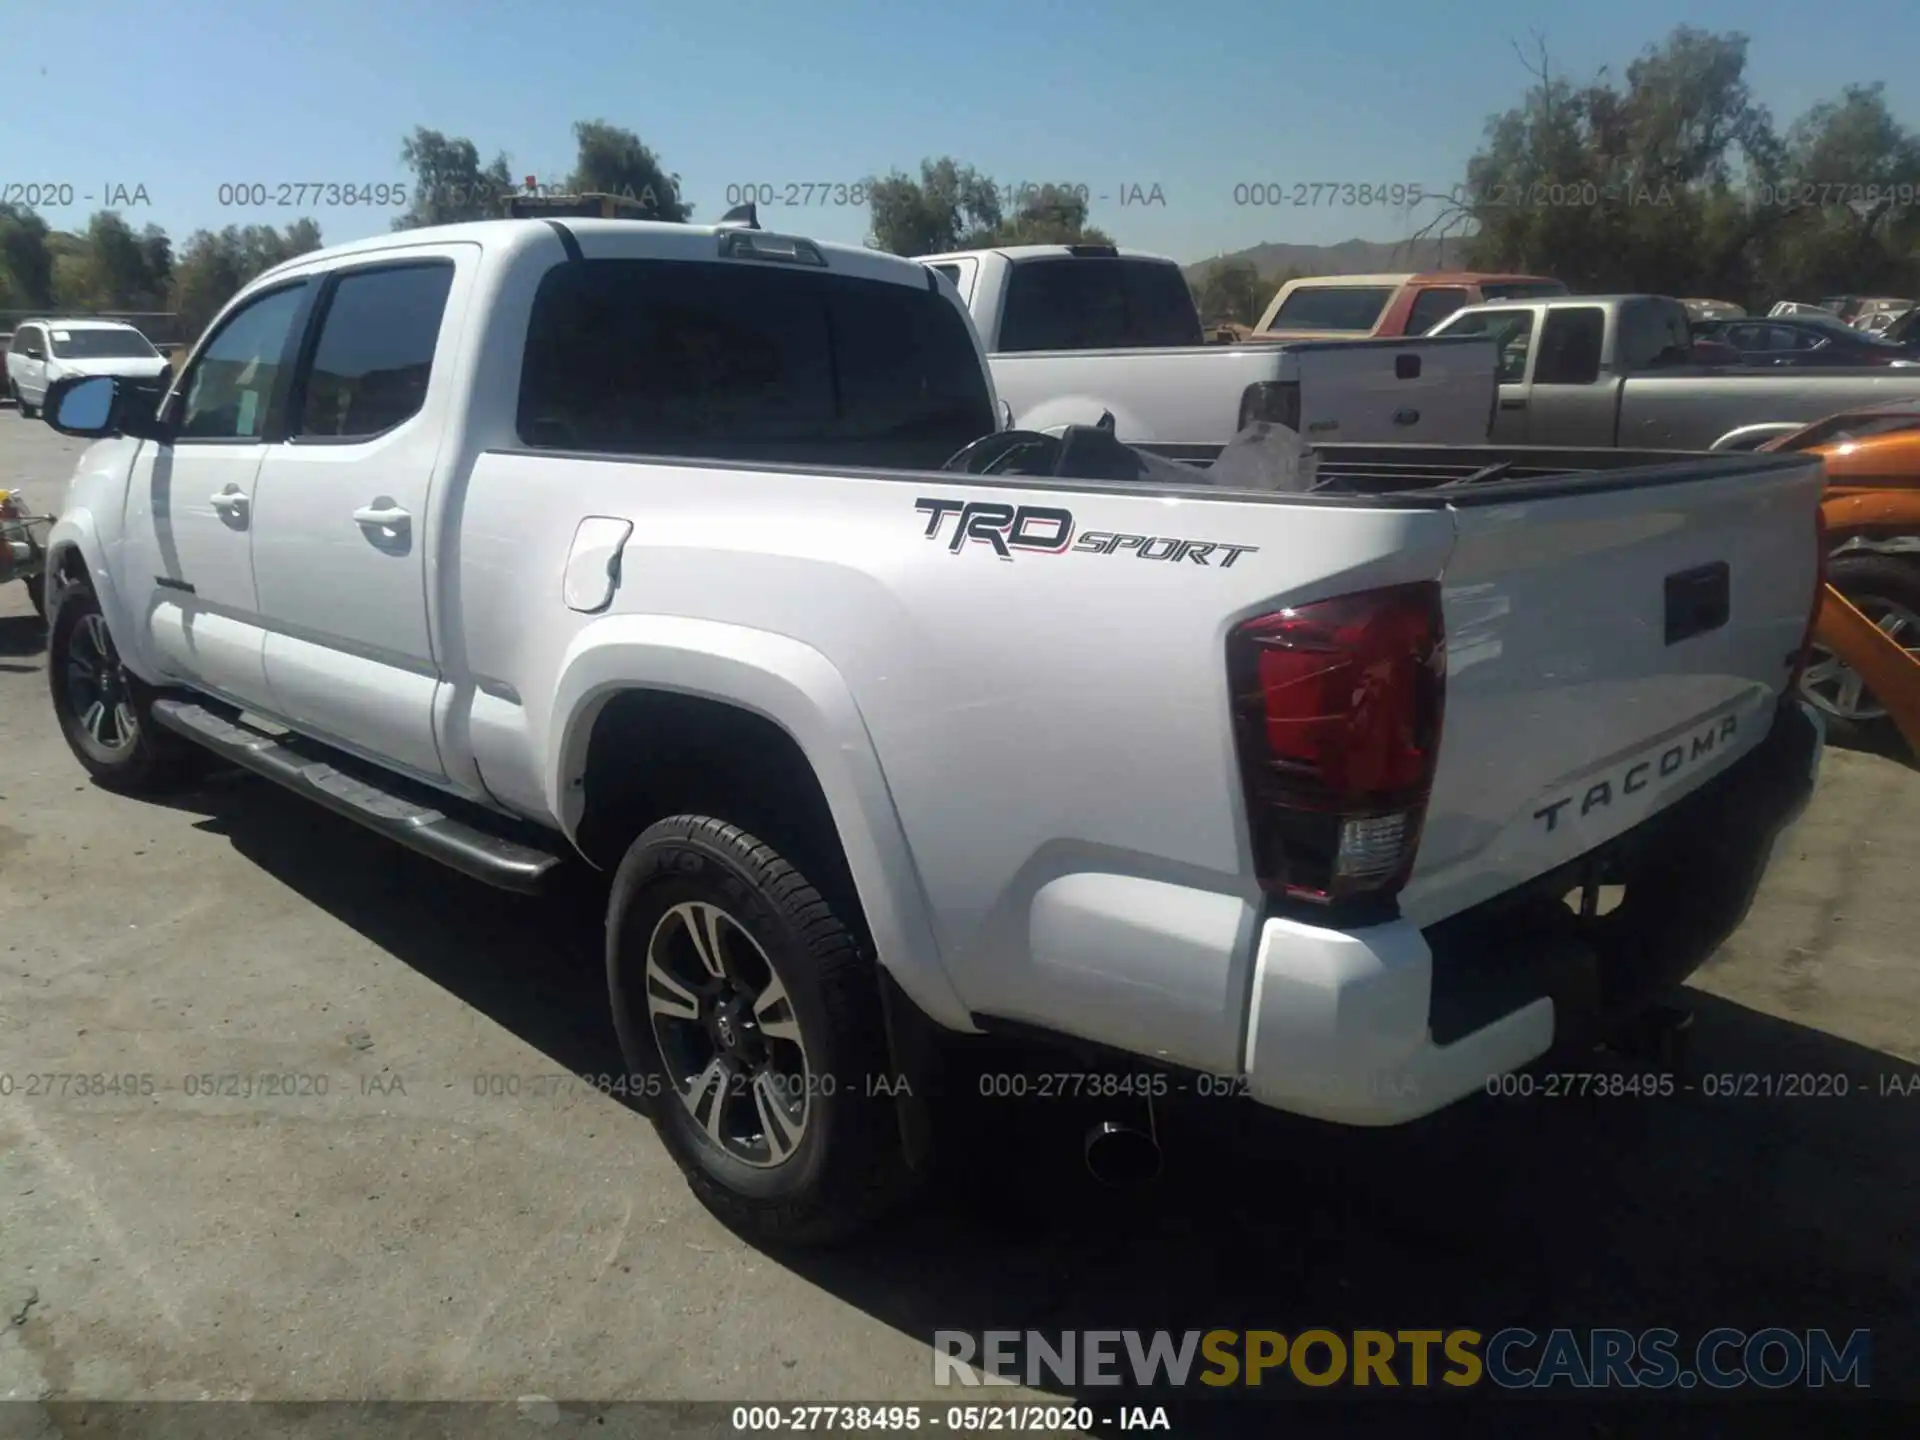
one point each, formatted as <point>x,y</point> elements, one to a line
<point>1385,1024</point>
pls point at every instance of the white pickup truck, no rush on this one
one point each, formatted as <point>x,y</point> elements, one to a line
<point>1073,331</point>
<point>692,551</point>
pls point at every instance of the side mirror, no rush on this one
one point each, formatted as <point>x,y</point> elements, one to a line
<point>81,406</point>
<point>94,407</point>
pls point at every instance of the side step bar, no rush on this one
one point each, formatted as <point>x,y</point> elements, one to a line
<point>396,808</point>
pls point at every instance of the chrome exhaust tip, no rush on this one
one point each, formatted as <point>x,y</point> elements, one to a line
<point>1121,1156</point>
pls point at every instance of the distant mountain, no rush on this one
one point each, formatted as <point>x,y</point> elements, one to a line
<point>1349,257</point>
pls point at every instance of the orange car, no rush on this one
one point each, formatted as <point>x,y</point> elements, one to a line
<point>1872,511</point>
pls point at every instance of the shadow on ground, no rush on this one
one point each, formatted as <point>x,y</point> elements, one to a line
<point>1687,1212</point>
<point>22,636</point>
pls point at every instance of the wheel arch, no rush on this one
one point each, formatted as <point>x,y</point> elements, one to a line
<point>717,713</point>
<point>75,555</point>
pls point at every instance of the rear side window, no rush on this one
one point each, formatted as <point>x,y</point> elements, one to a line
<point>1097,303</point>
<point>1653,334</point>
<point>1333,307</point>
<point>741,361</point>
<point>1570,344</point>
<point>375,355</point>
<point>1430,307</point>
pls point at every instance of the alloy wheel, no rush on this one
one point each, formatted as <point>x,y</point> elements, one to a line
<point>98,688</point>
<point>1834,686</point>
<point>727,1034</point>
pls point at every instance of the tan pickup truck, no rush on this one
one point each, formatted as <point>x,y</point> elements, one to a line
<point>1363,307</point>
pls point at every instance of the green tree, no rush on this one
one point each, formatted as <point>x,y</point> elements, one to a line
<point>613,161</point>
<point>945,209</point>
<point>1232,293</point>
<point>449,183</point>
<point>1050,215</point>
<point>112,268</point>
<point>1641,186</point>
<point>1839,224</point>
<point>215,264</point>
<point>26,262</point>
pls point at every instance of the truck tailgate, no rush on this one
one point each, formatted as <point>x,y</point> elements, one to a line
<point>1418,391</point>
<point>1609,648</point>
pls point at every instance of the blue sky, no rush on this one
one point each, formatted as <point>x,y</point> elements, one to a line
<point>1193,96</point>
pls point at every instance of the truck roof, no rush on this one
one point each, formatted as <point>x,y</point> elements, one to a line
<point>1301,282</point>
<point>667,237</point>
<point>1017,253</point>
<point>81,324</point>
<point>1474,277</point>
<point>1601,300</point>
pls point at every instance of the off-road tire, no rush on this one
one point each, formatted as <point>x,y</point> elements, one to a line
<point>157,760</point>
<point>848,1169</point>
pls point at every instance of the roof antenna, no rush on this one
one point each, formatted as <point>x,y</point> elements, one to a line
<point>741,217</point>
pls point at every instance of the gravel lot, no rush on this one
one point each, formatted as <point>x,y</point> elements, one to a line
<point>402,1237</point>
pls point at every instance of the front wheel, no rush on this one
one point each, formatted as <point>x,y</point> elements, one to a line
<point>750,1013</point>
<point>27,412</point>
<point>105,711</point>
<point>1886,590</point>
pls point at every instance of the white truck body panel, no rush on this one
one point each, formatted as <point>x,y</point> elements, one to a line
<point>1028,757</point>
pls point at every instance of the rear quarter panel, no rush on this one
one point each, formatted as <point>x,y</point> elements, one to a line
<point>1689,410</point>
<point>1039,717</point>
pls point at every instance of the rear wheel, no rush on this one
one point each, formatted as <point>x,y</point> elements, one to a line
<point>105,711</point>
<point>748,1012</point>
<point>1887,591</point>
<point>37,594</point>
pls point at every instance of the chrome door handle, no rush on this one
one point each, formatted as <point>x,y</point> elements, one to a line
<point>388,517</point>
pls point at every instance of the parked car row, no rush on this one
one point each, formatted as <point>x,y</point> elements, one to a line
<point>1622,370</point>
<point>896,727</point>
<point>1805,340</point>
<point>1075,332</point>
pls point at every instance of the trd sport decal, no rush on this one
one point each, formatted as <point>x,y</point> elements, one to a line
<point>1044,530</point>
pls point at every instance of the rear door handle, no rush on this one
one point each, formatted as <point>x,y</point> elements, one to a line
<point>1513,404</point>
<point>229,502</point>
<point>387,517</point>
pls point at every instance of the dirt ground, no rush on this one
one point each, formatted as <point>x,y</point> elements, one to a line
<point>405,1235</point>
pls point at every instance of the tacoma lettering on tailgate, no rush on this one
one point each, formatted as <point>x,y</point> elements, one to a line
<point>1639,775</point>
<point>1047,530</point>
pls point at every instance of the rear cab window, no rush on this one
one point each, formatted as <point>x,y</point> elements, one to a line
<point>1333,307</point>
<point>749,363</point>
<point>1097,303</point>
<point>1654,334</point>
<point>1434,304</point>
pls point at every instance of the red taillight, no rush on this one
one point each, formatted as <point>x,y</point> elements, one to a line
<point>1337,708</point>
<point>1820,544</point>
<point>1275,401</point>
